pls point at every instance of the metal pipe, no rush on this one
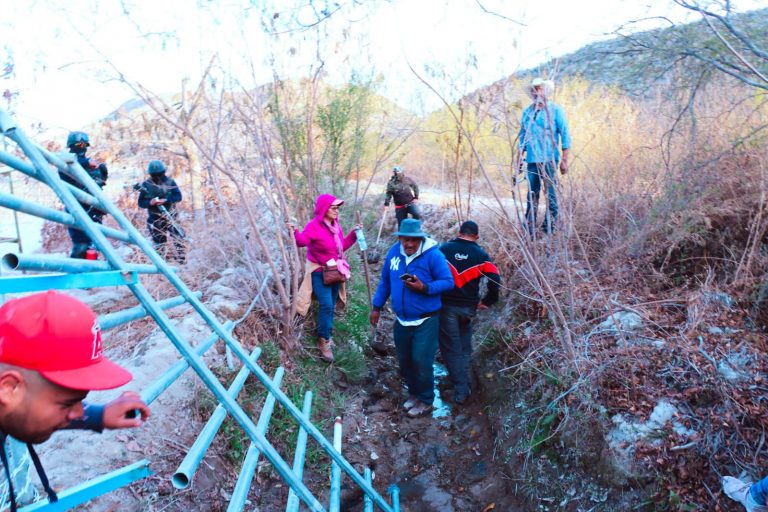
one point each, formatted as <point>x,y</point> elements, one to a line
<point>25,168</point>
<point>51,263</point>
<point>20,205</point>
<point>282,468</point>
<point>186,470</point>
<point>298,457</point>
<point>117,318</point>
<point>251,461</point>
<point>367,501</point>
<point>394,495</point>
<point>155,389</point>
<point>335,494</point>
<point>93,488</point>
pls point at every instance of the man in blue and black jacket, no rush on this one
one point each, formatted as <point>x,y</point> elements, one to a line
<point>78,144</point>
<point>159,195</point>
<point>469,263</point>
<point>414,275</point>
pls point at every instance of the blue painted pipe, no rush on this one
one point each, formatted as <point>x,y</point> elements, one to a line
<point>51,263</point>
<point>117,318</point>
<point>394,494</point>
<point>367,501</point>
<point>20,205</point>
<point>298,457</point>
<point>37,156</point>
<point>91,489</point>
<point>251,461</point>
<point>155,389</point>
<point>29,170</point>
<point>335,495</point>
<point>186,470</point>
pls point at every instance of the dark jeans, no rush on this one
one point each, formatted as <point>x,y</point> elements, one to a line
<point>537,173</point>
<point>416,347</point>
<point>327,295</point>
<point>402,213</point>
<point>161,231</point>
<point>456,344</point>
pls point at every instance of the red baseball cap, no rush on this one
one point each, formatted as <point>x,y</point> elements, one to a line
<point>58,336</point>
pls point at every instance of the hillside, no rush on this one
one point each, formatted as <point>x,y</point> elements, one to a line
<point>637,62</point>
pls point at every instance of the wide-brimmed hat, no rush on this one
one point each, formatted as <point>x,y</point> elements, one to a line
<point>547,85</point>
<point>411,228</point>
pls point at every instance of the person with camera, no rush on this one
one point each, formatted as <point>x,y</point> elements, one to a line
<point>326,268</point>
<point>159,195</point>
<point>415,274</point>
<point>78,143</point>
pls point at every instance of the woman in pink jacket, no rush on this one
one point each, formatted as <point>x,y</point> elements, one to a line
<point>325,242</point>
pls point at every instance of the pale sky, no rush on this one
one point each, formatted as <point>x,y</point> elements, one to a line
<point>64,81</point>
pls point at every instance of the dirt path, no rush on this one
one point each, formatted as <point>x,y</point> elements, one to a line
<point>442,463</point>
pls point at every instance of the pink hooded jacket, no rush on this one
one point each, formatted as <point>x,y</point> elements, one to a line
<point>317,236</point>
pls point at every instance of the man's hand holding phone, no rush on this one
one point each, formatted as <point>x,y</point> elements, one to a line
<point>413,283</point>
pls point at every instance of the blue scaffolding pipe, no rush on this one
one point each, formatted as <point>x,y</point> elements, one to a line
<point>26,284</point>
<point>20,205</point>
<point>394,494</point>
<point>298,457</point>
<point>38,156</point>
<point>51,263</point>
<point>186,470</point>
<point>112,320</point>
<point>153,390</point>
<point>81,493</point>
<point>251,461</point>
<point>29,170</point>
<point>367,501</point>
<point>334,500</point>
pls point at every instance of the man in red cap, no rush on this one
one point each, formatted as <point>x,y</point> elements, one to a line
<point>50,358</point>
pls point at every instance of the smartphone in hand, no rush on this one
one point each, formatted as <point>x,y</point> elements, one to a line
<point>407,277</point>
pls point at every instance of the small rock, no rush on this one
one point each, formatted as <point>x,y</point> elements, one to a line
<point>374,456</point>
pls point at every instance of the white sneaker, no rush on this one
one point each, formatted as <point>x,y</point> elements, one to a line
<point>739,491</point>
<point>412,400</point>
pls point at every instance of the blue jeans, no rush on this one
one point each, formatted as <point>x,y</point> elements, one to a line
<point>759,491</point>
<point>536,174</point>
<point>456,344</point>
<point>416,347</point>
<point>326,297</point>
<point>402,213</point>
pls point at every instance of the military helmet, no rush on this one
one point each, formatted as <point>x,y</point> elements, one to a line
<point>77,142</point>
<point>156,167</point>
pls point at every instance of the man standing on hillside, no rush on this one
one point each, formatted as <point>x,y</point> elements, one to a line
<point>405,193</point>
<point>469,263</point>
<point>414,275</point>
<point>78,143</point>
<point>543,130</point>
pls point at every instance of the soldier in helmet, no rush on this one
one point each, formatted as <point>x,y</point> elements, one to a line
<point>159,195</point>
<point>77,142</point>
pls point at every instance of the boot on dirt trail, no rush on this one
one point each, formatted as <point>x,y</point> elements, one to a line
<point>324,346</point>
<point>419,409</point>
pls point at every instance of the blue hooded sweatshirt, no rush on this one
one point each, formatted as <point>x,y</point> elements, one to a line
<point>429,265</point>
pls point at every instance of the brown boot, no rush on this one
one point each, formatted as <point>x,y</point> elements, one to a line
<point>324,346</point>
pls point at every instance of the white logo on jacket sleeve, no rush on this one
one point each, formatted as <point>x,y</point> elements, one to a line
<point>394,263</point>
<point>460,257</point>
